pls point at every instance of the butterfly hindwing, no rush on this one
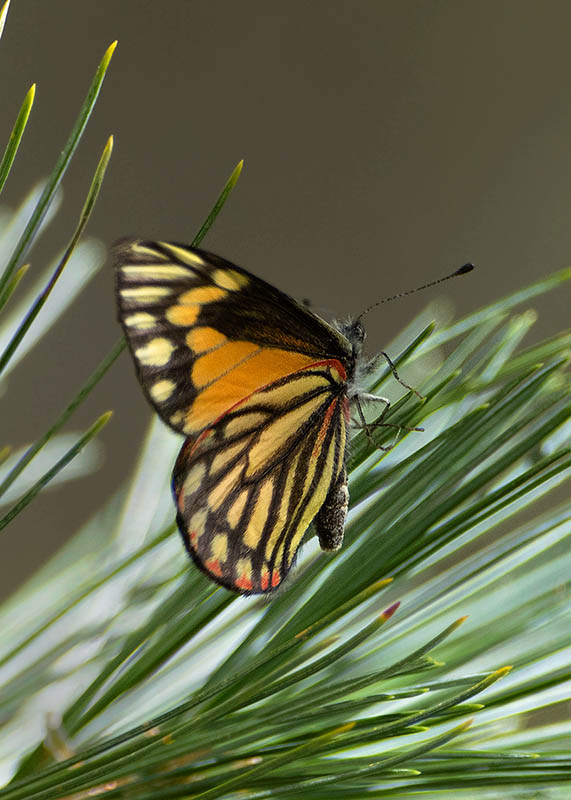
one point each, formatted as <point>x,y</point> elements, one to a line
<point>249,487</point>
<point>205,334</point>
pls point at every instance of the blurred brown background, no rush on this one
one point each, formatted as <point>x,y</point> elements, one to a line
<point>384,143</point>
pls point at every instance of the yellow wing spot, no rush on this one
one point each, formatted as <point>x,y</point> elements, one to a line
<point>280,554</point>
<point>308,476</point>
<point>259,515</point>
<point>229,279</point>
<point>284,506</point>
<point>146,294</point>
<point>197,525</point>
<point>219,547</point>
<point>235,510</point>
<point>139,249</point>
<point>162,390</point>
<point>156,353</point>
<point>244,567</point>
<point>194,479</point>
<point>317,500</point>
<point>342,435</point>
<point>244,422</point>
<point>226,455</point>
<point>202,339</point>
<point>177,418</point>
<point>202,295</point>
<point>213,365</point>
<point>276,435</point>
<point>223,487</point>
<point>182,315</point>
<point>335,374</point>
<point>156,272</point>
<point>141,320</point>
<point>278,395</point>
<point>184,255</point>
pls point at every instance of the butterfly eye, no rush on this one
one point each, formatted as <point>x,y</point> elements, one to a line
<point>357,332</point>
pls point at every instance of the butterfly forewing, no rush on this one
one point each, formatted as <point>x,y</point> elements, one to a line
<point>205,334</point>
<point>247,490</point>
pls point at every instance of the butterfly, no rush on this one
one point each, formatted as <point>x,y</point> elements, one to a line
<point>263,390</point>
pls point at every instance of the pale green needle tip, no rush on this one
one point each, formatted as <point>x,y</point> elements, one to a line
<point>3,15</point>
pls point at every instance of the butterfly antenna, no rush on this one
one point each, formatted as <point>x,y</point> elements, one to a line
<point>461,271</point>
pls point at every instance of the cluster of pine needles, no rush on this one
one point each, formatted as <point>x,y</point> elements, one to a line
<point>125,673</point>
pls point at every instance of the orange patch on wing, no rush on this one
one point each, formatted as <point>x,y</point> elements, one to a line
<point>323,431</point>
<point>202,294</point>
<point>193,537</point>
<point>213,566</point>
<point>276,578</point>
<point>182,315</point>
<point>203,338</point>
<point>265,579</point>
<point>209,367</point>
<point>260,370</point>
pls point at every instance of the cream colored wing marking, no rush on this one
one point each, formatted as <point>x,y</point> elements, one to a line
<point>186,320</point>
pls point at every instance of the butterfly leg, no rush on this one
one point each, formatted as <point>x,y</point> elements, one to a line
<point>379,422</point>
<point>397,377</point>
<point>330,519</point>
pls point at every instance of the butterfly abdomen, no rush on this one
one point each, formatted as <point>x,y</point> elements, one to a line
<point>329,522</point>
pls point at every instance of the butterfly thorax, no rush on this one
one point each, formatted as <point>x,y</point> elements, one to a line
<point>357,365</point>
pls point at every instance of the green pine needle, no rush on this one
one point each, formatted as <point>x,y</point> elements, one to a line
<point>363,676</point>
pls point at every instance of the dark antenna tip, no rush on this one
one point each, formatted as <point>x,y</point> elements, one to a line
<point>461,271</point>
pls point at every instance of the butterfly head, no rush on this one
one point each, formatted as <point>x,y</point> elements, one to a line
<point>354,331</point>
